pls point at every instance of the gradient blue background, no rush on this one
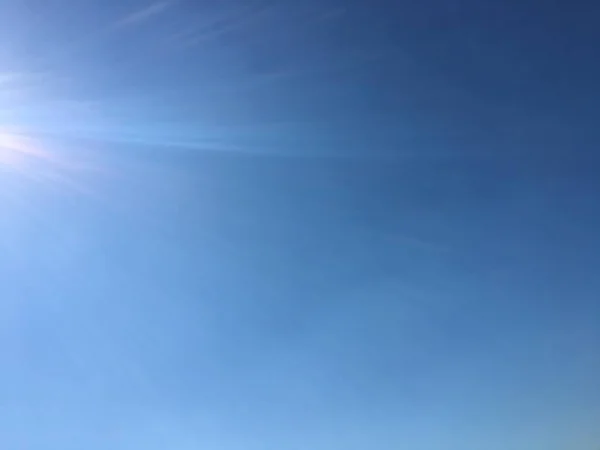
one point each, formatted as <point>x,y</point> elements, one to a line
<point>325,225</point>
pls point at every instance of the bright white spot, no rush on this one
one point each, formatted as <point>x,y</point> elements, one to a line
<point>18,151</point>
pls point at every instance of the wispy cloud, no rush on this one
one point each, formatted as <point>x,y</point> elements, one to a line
<point>16,86</point>
<point>206,29</point>
<point>10,79</point>
<point>14,78</point>
<point>145,13</point>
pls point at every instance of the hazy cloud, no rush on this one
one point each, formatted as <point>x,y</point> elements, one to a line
<point>146,13</point>
<point>10,79</point>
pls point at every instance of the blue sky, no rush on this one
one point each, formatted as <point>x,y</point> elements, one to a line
<point>325,225</point>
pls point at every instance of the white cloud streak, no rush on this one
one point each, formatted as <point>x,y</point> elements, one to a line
<point>145,14</point>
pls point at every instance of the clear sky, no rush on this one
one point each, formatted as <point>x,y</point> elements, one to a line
<point>285,225</point>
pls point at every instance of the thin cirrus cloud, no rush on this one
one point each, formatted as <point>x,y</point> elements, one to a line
<point>17,87</point>
<point>13,79</point>
<point>147,13</point>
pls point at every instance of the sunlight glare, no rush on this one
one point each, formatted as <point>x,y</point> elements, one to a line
<point>14,149</point>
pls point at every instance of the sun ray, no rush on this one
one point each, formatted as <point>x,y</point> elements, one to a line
<point>28,158</point>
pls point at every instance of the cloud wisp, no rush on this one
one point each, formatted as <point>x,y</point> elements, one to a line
<point>144,14</point>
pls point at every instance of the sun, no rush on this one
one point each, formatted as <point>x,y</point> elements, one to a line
<point>27,159</point>
<point>16,149</point>
<point>23,156</point>
<point>9,149</point>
